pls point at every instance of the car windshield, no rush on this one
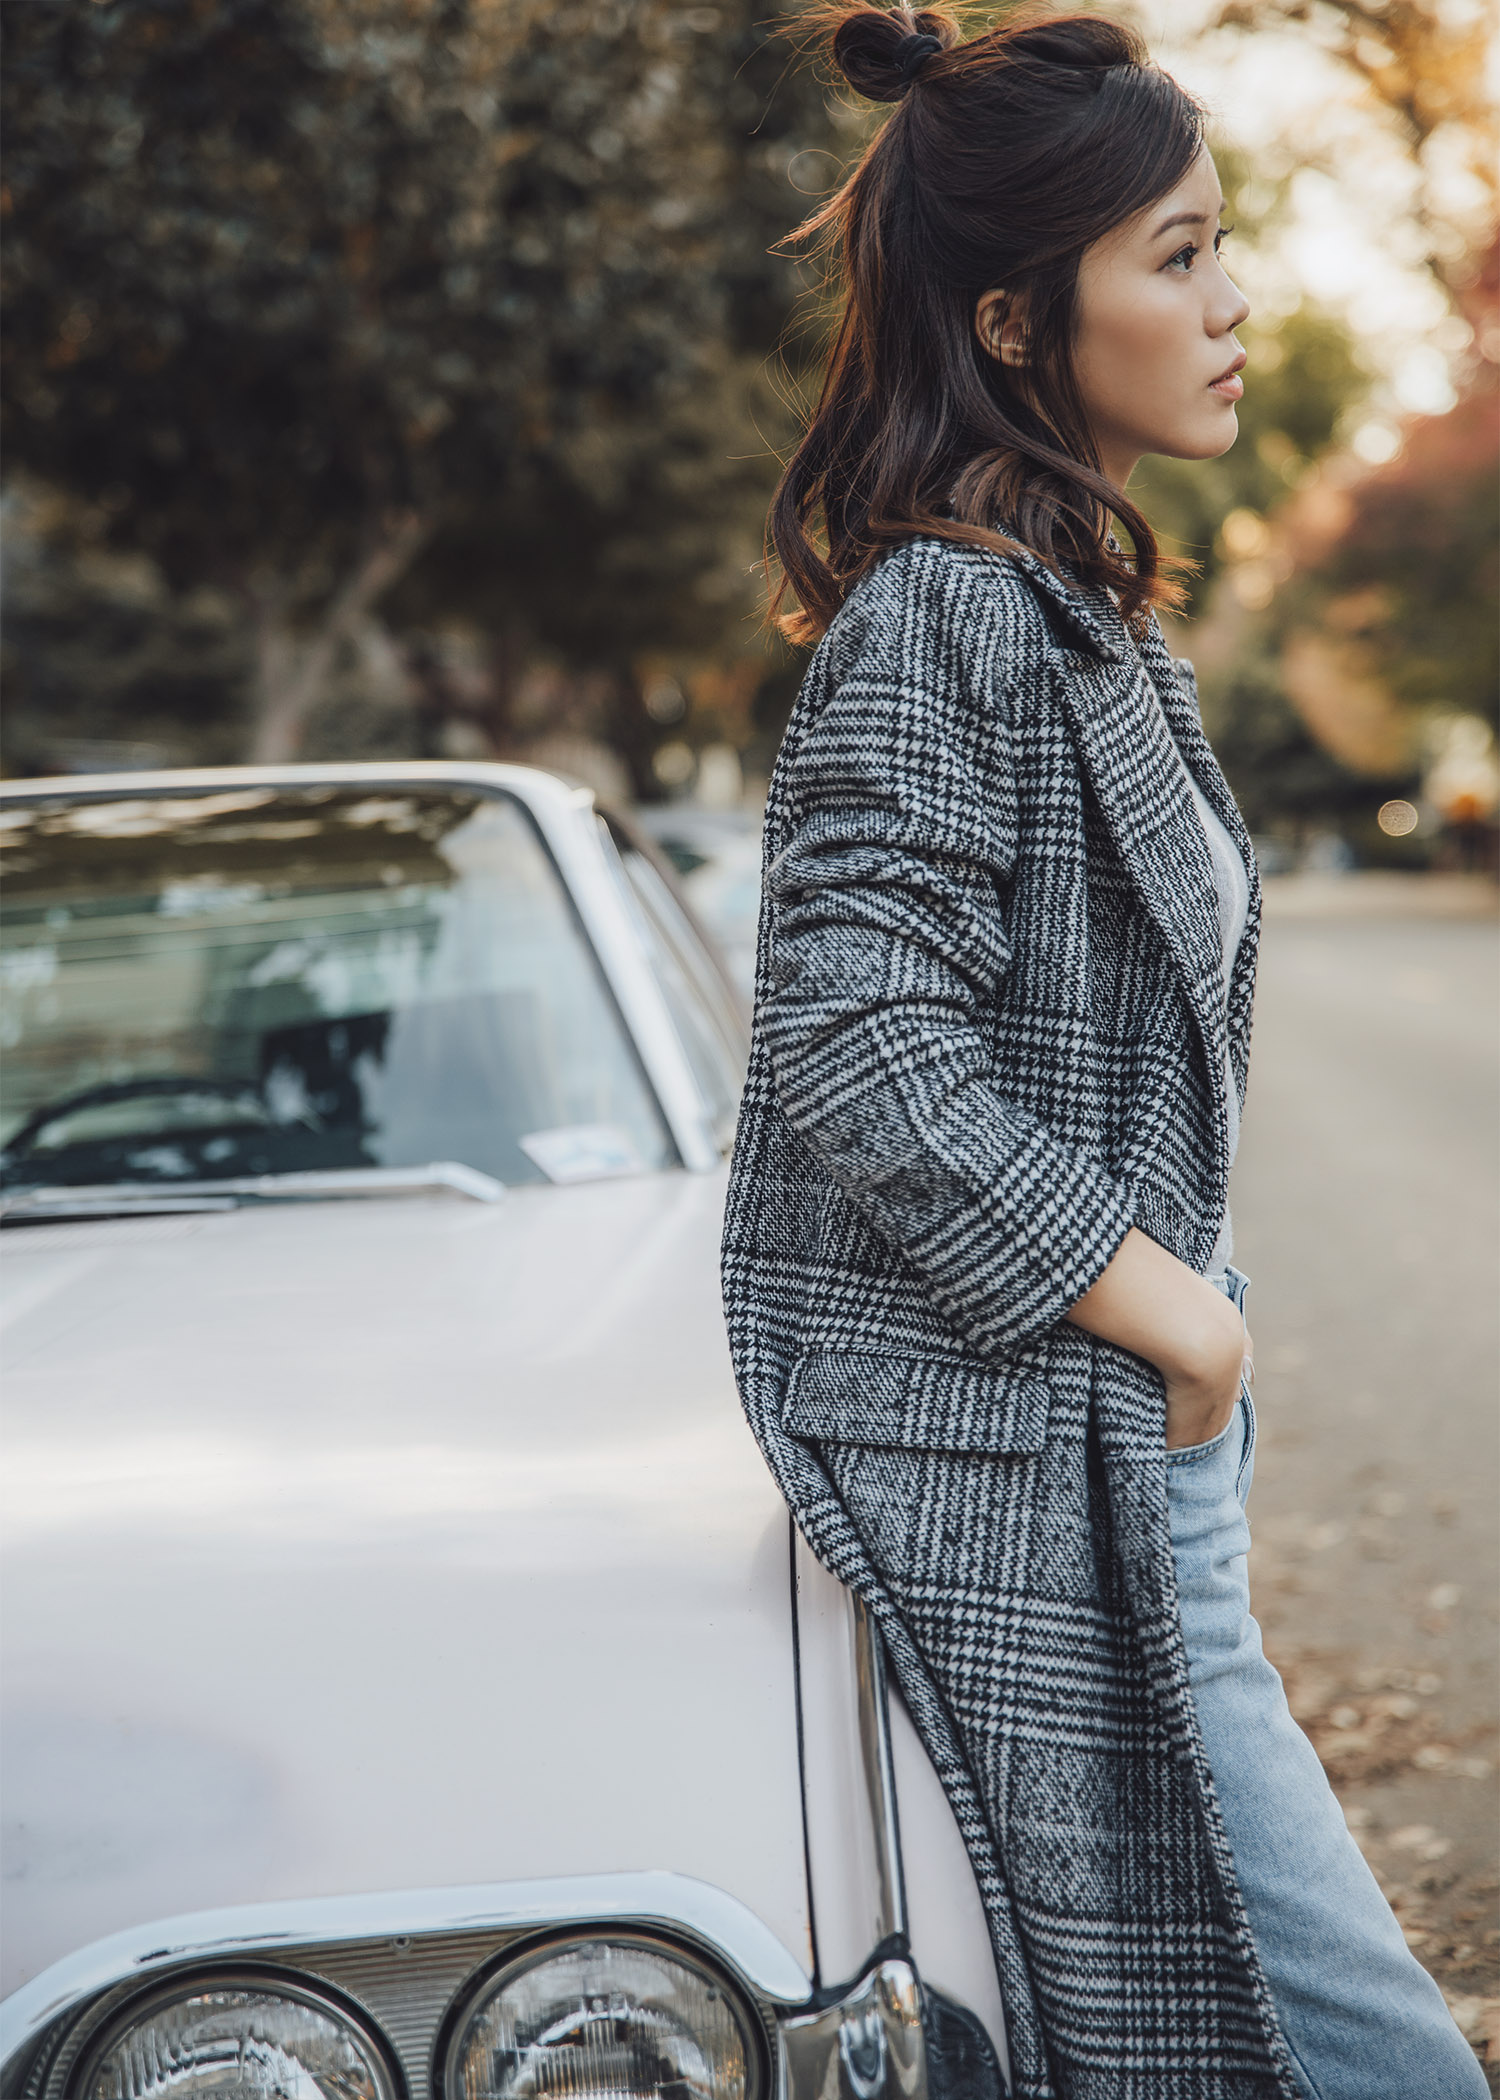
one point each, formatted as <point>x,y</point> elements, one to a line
<point>275,980</point>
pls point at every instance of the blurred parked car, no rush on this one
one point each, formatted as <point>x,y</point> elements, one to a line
<point>716,855</point>
<point>414,1688</point>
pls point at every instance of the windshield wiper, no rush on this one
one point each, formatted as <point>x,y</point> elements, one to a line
<point>128,1199</point>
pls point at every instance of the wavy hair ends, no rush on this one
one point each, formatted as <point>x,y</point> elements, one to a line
<point>1003,159</point>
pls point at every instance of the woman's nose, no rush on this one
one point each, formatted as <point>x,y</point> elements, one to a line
<point>1231,308</point>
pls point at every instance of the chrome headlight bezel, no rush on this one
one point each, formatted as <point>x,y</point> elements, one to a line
<point>532,1952</point>
<point>197,1982</point>
<point>398,1962</point>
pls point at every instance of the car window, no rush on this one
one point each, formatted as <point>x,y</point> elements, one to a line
<point>273,980</point>
<point>717,859</point>
<point>710,1030</point>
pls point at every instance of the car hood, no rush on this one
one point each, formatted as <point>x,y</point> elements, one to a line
<point>386,1544</point>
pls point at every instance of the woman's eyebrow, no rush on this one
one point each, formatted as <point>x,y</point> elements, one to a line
<point>1186,218</point>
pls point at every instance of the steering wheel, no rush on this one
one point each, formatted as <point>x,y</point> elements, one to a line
<point>24,1141</point>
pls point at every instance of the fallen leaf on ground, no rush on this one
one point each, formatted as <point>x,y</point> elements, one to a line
<point>1477,2019</point>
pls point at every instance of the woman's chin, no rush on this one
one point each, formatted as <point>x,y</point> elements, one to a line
<point>1210,439</point>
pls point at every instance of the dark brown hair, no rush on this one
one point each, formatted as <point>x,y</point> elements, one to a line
<point>1004,159</point>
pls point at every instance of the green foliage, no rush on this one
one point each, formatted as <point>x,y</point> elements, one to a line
<point>281,271</point>
<point>103,666</point>
<point>282,274</point>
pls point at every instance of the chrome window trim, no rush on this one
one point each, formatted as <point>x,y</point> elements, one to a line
<point>115,1199</point>
<point>726,1928</point>
<point>565,817</point>
<point>623,826</point>
<point>581,853</point>
<point>710,986</point>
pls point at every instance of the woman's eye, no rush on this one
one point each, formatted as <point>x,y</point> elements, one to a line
<point>1183,259</point>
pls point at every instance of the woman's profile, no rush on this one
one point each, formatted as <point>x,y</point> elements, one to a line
<point>977,1248</point>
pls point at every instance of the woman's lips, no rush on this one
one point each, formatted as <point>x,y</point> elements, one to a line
<point>1229,385</point>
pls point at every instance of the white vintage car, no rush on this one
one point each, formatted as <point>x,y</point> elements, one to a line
<point>414,1689</point>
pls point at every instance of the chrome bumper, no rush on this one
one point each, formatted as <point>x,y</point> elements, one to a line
<point>869,2045</point>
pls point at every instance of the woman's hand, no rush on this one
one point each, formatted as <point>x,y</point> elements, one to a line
<point>1201,1396</point>
<point>1149,1302</point>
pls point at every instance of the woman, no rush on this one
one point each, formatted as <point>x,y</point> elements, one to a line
<point>975,1256</point>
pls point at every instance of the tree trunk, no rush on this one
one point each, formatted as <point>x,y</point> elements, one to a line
<point>290,676</point>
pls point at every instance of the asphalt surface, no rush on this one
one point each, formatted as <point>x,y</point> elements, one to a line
<point>1365,1208</point>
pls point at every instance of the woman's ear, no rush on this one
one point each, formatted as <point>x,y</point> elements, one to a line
<point>1000,324</point>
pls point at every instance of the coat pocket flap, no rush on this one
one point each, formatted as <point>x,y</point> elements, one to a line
<point>916,1403</point>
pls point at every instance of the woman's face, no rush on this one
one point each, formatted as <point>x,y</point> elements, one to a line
<point>1155,355</point>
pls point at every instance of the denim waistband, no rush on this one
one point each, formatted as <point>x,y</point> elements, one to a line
<point>1233,1283</point>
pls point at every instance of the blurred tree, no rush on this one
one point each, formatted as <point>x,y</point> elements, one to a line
<point>1339,605</point>
<point>309,301</point>
<point>1426,62</point>
<point>1359,613</point>
<point>102,665</point>
<point>1284,780</point>
<point>1412,573</point>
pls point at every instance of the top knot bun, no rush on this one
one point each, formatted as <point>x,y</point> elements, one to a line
<point>882,52</point>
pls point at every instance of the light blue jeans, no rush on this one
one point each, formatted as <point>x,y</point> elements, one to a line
<point>1361,2016</point>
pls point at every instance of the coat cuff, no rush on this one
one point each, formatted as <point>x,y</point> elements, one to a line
<point>1074,1221</point>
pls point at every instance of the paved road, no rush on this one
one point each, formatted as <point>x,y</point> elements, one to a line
<point>1365,1204</point>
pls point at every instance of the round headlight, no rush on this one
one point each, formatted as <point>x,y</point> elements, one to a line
<point>237,2038</point>
<point>596,2019</point>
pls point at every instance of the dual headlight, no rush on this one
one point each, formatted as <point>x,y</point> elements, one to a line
<point>622,2018</point>
<point>601,2020</point>
<point>237,2039</point>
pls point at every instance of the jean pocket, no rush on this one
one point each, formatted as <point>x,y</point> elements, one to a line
<point>1195,1454</point>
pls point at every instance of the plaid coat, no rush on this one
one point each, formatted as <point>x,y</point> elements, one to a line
<point>989,1036</point>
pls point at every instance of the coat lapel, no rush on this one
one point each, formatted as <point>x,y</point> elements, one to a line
<point>1124,723</point>
<point>1128,755</point>
<point>1178,687</point>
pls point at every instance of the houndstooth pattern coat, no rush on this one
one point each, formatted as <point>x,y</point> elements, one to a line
<point>990,1035</point>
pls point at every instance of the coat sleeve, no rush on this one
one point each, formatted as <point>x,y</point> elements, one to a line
<point>888,952</point>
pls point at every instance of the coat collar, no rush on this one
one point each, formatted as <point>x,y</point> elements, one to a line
<point>1085,613</point>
